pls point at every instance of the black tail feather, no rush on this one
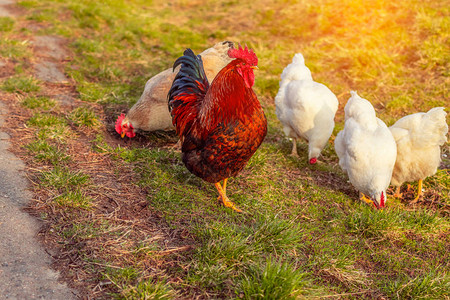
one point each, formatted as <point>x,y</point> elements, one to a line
<point>188,90</point>
<point>191,78</point>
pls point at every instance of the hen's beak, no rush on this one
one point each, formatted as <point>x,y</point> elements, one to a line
<point>254,67</point>
<point>122,134</point>
<point>370,200</point>
<point>375,202</point>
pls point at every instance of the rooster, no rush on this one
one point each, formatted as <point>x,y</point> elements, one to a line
<point>366,150</point>
<point>418,137</point>
<point>305,108</point>
<point>150,113</point>
<point>220,125</point>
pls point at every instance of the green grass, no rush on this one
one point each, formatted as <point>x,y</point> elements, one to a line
<point>63,179</point>
<point>6,24</point>
<point>84,116</point>
<point>56,132</point>
<point>28,3</point>
<point>21,84</point>
<point>44,151</point>
<point>150,290</point>
<point>84,230</point>
<point>273,280</point>
<point>12,48</point>
<point>433,285</point>
<point>33,102</point>
<point>137,223</point>
<point>46,120</point>
<point>74,199</point>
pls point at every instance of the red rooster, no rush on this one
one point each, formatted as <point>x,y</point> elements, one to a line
<point>220,125</point>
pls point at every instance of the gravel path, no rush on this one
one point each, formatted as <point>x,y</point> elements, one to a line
<point>25,271</point>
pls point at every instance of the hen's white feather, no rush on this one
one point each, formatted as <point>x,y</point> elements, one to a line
<point>305,108</point>
<point>418,137</point>
<point>366,148</point>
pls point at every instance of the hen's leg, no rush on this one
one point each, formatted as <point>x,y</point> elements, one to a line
<point>294,147</point>
<point>223,197</point>
<point>419,192</point>
<point>397,193</point>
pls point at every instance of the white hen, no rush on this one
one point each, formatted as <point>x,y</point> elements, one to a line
<point>305,108</point>
<point>366,150</point>
<point>419,137</point>
<point>151,112</point>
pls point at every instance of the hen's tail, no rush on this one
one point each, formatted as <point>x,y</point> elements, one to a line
<point>188,91</point>
<point>433,128</point>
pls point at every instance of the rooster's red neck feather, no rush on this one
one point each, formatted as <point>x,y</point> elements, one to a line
<point>228,98</point>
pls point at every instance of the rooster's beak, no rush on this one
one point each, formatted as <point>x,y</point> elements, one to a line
<point>254,67</point>
<point>122,134</point>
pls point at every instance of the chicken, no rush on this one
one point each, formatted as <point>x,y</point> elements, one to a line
<point>366,150</point>
<point>150,113</point>
<point>305,108</point>
<point>418,137</point>
<point>220,125</point>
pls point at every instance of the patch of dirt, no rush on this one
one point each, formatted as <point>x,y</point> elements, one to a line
<point>430,199</point>
<point>65,100</point>
<point>6,68</point>
<point>50,72</point>
<point>334,182</point>
<point>50,47</point>
<point>51,52</point>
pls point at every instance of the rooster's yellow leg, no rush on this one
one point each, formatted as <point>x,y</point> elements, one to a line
<point>223,197</point>
<point>419,192</point>
<point>397,193</point>
<point>224,186</point>
<point>365,199</point>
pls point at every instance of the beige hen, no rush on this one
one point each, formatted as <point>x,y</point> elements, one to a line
<point>151,112</point>
<point>418,137</point>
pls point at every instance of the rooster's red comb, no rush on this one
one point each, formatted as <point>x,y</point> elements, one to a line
<point>119,123</point>
<point>244,53</point>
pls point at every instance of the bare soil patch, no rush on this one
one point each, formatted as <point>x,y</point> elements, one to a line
<point>51,52</point>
